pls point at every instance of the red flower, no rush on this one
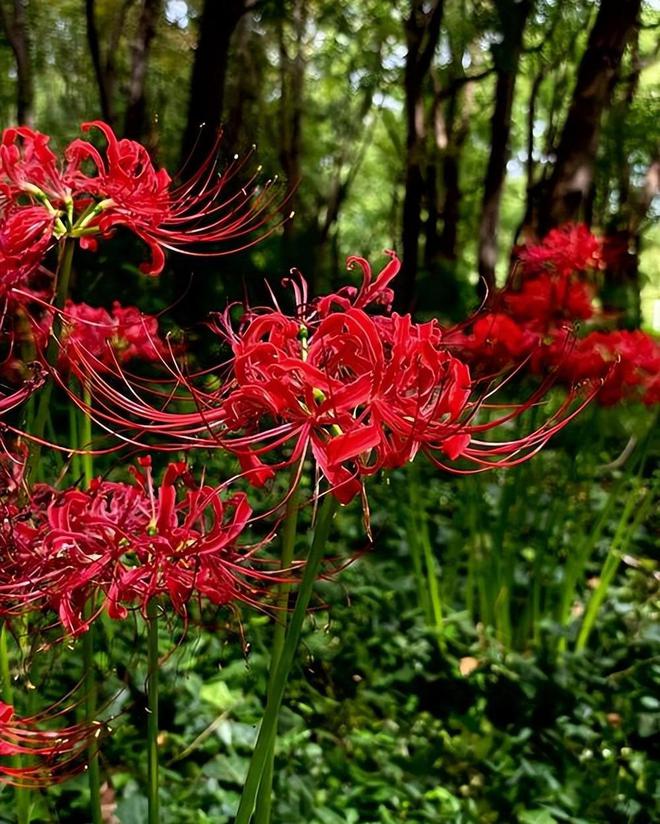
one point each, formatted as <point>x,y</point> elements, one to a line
<point>25,235</point>
<point>123,335</point>
<point>564,251</point>
<point>53,754</point>
<point>29,167</point>
<point>495,342</point>
<point>547,299</point>
<point>358,392</point>
<point>125,544</point>
<point>125,189</point>
<point>626,363</point>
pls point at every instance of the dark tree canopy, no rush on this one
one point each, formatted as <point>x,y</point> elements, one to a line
<point>447,129</point>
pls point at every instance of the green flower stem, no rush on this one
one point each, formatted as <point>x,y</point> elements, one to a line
<point>22,796</point>
<point>93,767</point>
<point>578,561</point>
<point>289,530</point>
<point>43,408</point>
<point>90,685</point>
<point>422,551</point>
<point>638,497</point>
<point>73,441</point>
<point>622,537</point>
<point>275,695</point>
<point>152,710</point>
<point>86,439</point>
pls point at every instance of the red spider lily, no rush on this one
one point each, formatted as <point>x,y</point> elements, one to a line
<point>54,754</point>
<point>563,251</point>
<point>121,335</point>
<point>363,393</point>
<point>29,167</point>
<point>358,392</point>
<point>494,342</point>
<point>547,299</point>
<point>118,336</point>
<point>25,235</point>
<point>125,189</point>
<point>123,544</point>
<point>627,364</point>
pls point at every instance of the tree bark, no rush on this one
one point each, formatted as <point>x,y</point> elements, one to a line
<point>105,70</point>
<point>621,292</point>
<point>13,17</point>
<point>205,106</point>
<point>570,184</point>
<point>422,30</point>
<point>105,97</point>
<point>292,80</point>
<point>506,55</point>
<point>135,124</point>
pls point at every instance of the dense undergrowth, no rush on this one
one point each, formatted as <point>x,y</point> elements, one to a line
<point>490,713</point>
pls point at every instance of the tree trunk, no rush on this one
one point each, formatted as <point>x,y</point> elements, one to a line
<point>13,17</point>
<point>422,34</point>
<point>135,124</point>
<point>569,187</point>
<point>105,97</point>
<point>244,86</point>
<point>205,106</point>
<point>621,292</point>
<point>506,55</point>
<point>292,80</point>
<point>105,70</point>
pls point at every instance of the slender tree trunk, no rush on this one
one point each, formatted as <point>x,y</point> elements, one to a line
<point>506,55</point>
<point>570,184</point>
<point>243,86</point>
<point>205,106</point>
<point>105,97</point>
<point>621,292</point>
<point>293,65</point>
<point>135,125</point>
<point>13,16</point>
<point>422,34</point>
<point>105,69</point>
<point>451,210</point>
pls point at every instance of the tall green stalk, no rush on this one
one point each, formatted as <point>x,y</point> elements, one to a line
<point>276,693</point>
<point>74,441</point>
<point>625,531</point>
<point>91,697</point>
<point>38,427</point>
<point>424,559</point>
<point>80,429</point>
<point>22,795</point>
<point>86,439</point>
<point>153,816</point>
<point>265,795</point>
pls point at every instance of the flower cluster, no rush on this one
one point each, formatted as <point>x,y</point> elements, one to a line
<point>532,321</point>
<point>565,251</point>
<point>341,381</point>
<point>627,363</point>
<point>121,335</point>
<point>358,392</point>
<point>24,239</point>
<point>119,545</point>
<point>89,193</point>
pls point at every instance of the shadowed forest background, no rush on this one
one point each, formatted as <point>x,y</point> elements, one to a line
<point>492,655</point>
<point>447,130</point>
